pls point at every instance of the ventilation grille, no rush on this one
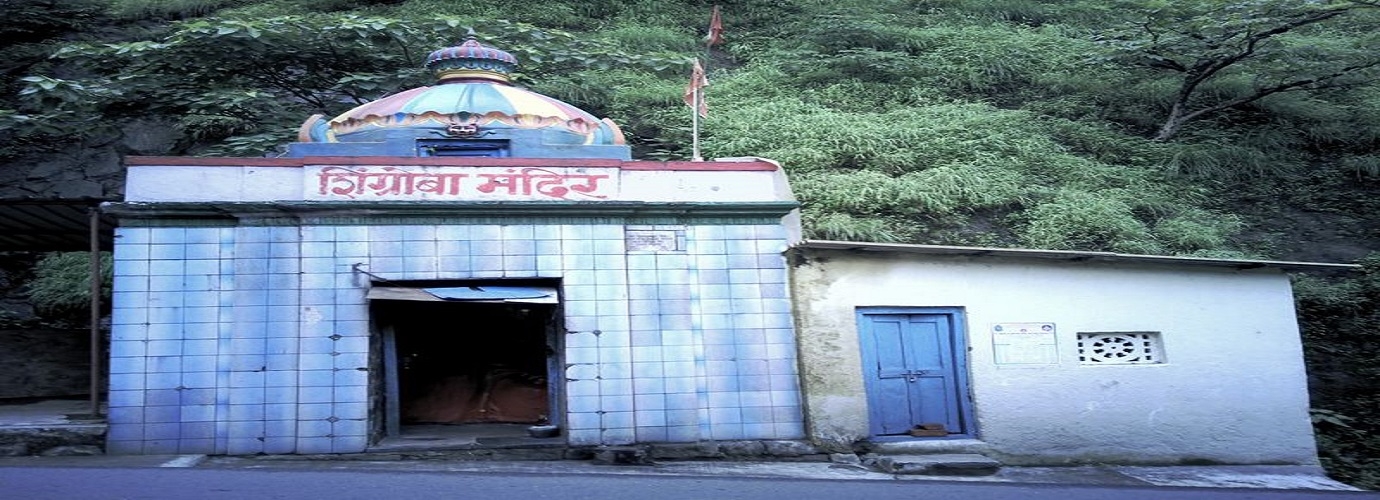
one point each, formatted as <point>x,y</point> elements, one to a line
<point>1120,348</point>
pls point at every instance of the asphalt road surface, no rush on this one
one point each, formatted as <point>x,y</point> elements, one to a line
<point>187,484</point>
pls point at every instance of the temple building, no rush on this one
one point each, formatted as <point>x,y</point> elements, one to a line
<point>463,254</point>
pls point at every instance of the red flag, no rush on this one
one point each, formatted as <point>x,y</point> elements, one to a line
<point>716,29</point>
<point>694,92</point>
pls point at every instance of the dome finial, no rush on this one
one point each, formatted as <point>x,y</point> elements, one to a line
<point>471,60</point>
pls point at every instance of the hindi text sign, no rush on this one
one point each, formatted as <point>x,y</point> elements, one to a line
<point>334,182</point>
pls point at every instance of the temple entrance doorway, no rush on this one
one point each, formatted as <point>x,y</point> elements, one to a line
<point>466,359</point>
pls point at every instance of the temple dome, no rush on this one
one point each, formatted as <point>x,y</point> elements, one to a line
<point>472,90</point>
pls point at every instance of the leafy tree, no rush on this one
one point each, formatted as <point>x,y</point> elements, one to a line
<point>1226,55</point>
<point>249,82</point>
<point>61,288</point>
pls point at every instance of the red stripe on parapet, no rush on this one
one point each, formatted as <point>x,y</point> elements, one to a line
<point>186,161</point>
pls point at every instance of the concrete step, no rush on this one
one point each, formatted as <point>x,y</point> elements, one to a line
<point>945,464</point>
<point>52,440</point>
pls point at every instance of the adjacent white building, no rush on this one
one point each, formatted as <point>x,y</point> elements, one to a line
<point>1045,357</point>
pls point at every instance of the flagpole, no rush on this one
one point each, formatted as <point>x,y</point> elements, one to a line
<point>698,82</point>
<point>695,127</point>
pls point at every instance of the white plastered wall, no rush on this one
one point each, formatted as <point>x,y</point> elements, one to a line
<point>1233,389</point>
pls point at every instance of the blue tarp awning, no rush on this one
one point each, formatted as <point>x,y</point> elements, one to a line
<point>485,293</point>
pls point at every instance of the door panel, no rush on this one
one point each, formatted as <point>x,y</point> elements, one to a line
<point>912,372</point>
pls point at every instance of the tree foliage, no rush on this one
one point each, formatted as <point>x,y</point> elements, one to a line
<point>1225,55</point>
<point>1342,349</point>
<point>61,288</point>
<point>282,70</point>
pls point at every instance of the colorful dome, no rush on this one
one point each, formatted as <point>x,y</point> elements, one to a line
<point>472,90</point>
<point>471,60</point>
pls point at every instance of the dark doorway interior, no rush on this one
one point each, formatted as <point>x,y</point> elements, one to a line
<point>473,363</point>
<point>464,362</point>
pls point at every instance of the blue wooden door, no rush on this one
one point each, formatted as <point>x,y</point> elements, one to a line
<point>912,369</point>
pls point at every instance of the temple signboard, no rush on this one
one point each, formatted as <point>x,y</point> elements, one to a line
<point>382,182</point>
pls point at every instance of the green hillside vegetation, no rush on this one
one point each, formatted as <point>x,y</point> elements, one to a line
<point>1237,129</point>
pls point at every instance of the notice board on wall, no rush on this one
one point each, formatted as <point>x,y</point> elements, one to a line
<point>1024,344</point>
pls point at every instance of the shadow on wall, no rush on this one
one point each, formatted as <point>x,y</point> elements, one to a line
<point>45,363</point>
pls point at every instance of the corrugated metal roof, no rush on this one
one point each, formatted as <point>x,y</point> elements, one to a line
<point>1071,256</point>
<point>44,225</point>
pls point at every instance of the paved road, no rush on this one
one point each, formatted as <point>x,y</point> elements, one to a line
<point>266,484</point>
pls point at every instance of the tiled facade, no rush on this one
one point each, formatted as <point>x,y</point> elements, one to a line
<point>247,338</point>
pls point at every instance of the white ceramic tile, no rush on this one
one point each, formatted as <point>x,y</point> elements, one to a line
<point>605,306</point>
<point>725,415</point>
<point>576,261</point>
<point>648,385</point>
<point>754,398</point>
<point>582,388</point>
<point>609,248</point>
<point>615,370</point>
<point>247,412</point>
<point>785,398</point>
<point>676,322</point>
<point>681,416</point>
<point>579,337</point>
<point>682,433</point>
<point>278,445</point>
<point>581,371</point>
<point>350,394</point>
<point>199,413</point>
<point>680,390</point>
<point>582,355</point>
<point>583,421</point>
<point>315,411</point>
<point>614,343</point>
<point>491,263</point>
<point>622,435</point>
<point>349,427</point>
<point>200,379</point>
<point>759,431</point>
<point>452,232</point>
<point>315,444</point>
<point>128,348</point>
<point>581,308</point>
<point>352,411</point>
<point>616,387</point>
<point>584,437</point>
<point>278,396</point>
<point>789,430</point>
<point>550,266</point>
<point>345,249</point>
<point>755,383</point>
<point>618,419</point>
<point>247,387</point>
<point>519,266</point>
<point>644,322</point>
<point>678,338</point>
<point>310,380</point>
<point>582,404</point>
<point>320,394</point>
<point>161,431</point>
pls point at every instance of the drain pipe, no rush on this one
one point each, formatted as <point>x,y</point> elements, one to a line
<point>94,214</point>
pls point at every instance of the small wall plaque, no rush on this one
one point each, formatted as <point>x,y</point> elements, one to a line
<point>1024,344</point>
<point>653,240</point>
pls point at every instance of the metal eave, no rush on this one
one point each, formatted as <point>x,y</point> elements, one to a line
<point>1071,256</point>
